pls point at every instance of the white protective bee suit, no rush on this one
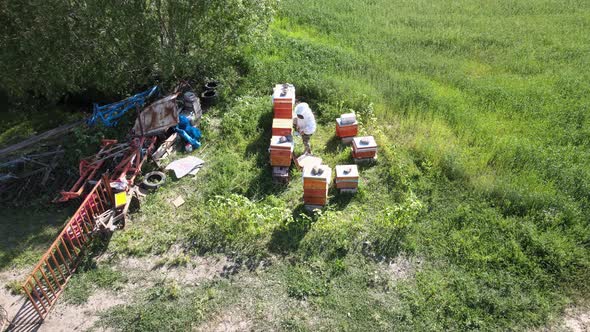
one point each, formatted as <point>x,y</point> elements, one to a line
<point>306,126</point>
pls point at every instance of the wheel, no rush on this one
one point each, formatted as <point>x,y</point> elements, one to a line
<point>153,180</point>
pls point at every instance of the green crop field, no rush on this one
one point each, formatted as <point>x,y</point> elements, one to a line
<point>476,215</point>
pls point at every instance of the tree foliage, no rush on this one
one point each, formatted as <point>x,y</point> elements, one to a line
<point>49,48</point>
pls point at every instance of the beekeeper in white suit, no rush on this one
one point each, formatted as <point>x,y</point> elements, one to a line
<point>305,124</point>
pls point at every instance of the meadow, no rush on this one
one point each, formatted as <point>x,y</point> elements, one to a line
<point>475,216</point>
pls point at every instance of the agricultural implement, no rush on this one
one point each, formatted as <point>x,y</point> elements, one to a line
<point>110,114</point>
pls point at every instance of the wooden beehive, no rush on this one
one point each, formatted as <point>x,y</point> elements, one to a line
<point>283,99</point>
<point>315,186</point>
<point>282,127</point>
<point>361,150</point>
<point>281,154</point>
<point>347,177</point>
<point>347,126</point>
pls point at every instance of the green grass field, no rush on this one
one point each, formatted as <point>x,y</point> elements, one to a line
<point>482,185</point>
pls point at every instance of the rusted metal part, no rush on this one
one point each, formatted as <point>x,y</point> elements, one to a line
<point>157,117</point>
<point>43,286</point>
<point>89,169</point>
<point>130,165</point>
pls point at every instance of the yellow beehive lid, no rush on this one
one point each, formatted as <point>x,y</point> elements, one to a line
<point>282,123</point>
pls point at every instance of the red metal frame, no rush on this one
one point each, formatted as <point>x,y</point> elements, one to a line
<point>131,164</point>
<point>88,169</point>
<point>44,285</point>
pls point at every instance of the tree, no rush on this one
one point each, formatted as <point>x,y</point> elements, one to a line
<point>50,48</point>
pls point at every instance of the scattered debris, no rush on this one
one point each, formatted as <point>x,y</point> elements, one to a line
<point>178,201</point>
<point>153,180</point>
<point>110,114</point>
<point>190,134</point>
<point>35,139</point>
<point>184,166</point>
<point>192,108</point>
<point>157,117</point>
<point>165,148</point>
<point>28,173</point>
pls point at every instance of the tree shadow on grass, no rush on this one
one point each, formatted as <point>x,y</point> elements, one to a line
<point>27,230</point>
<point>286,238</point>
<point>262,184</point>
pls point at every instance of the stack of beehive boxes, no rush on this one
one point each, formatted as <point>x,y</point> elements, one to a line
<point>281,142</point>
<point>347,127</point>
<point>364,148</point>
<point>347,178</point>
<point>316,182</point>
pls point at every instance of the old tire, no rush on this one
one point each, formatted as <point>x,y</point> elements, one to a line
<point>209,97</point>
<point>211,85</point>
<point>153,180</point>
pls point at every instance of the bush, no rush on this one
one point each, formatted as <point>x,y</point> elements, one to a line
<point>116,46</point>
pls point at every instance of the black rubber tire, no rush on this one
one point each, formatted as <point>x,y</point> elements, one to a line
<point>153,180</point>
<point>209,97</point>
<point>211,85</point>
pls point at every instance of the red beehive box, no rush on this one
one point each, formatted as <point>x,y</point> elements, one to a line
<point>346,128</point>
<point>283,100</point>
<point>364,147</point>
<point>282,127</point>
<point>281,153</point>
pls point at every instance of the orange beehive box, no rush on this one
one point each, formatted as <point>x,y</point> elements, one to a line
<point>280,161</point>
<point>283,110</point>
<point>281,153</point>
<point>364,147</point>
<point>315,200</point>
<point>316,184</point>
<point>315,192</point>
<point>347,177</point>
<point>346,130</point>
<point>283,99</point>
<point>282,127</point>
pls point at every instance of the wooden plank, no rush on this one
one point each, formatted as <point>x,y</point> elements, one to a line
<point>32,140</point>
